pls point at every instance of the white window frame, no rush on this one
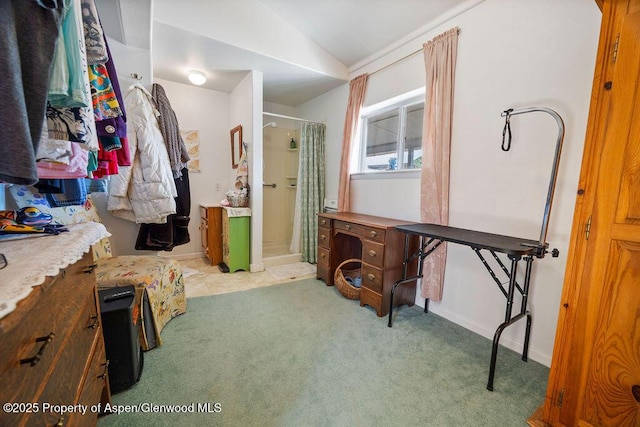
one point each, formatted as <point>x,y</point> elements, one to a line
<point>402,102</point>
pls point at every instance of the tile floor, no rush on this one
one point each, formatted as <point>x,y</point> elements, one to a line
<point>202,278</point>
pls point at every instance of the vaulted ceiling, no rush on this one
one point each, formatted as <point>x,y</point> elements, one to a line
<point>303,47</point>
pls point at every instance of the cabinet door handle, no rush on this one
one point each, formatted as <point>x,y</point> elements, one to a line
<point>33,361</point>
<point>371,277</point>
<point>373,233</point>
<point>372,253</point>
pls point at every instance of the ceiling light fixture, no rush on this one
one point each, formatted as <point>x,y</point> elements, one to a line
<point>197,77</point>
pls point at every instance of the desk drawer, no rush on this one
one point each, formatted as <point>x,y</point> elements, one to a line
<point>323,257</point>
<point>375,234</point>
<point>372,278</point>
<point>324,222</point>
<point>350,227</point>
<point>373,253</point>
<point>324,237</point>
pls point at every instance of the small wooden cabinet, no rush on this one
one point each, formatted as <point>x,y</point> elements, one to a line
<point>378,244</point>
<point>53,352</point>
<point>211,232</point>
<point>235,238</point>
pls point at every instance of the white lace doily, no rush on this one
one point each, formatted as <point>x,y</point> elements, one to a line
<point>30,260</point>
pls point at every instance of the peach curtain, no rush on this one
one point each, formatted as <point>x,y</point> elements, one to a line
<point>440,64</point>
<point>357,88</point>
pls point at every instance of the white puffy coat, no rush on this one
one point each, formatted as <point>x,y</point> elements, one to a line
<point>143,192</point>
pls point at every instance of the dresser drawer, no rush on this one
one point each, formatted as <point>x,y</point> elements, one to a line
<point>356,229</point>
<point>372,278</point>
<point>373,253</point>
<point>375,234</point>
<point>66,378</point>
<point>41,334</point>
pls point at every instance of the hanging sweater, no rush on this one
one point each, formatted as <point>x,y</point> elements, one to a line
<point>25,65</point>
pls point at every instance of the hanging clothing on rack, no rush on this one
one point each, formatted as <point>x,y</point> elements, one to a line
<point>67,86</point>
<point>76,124</point>
<point>25,67</point>
<point>95,41</point>
<point>175,232</point>
<point>145,191</point>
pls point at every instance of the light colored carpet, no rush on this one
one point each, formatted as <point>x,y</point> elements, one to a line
<point>299,354</point>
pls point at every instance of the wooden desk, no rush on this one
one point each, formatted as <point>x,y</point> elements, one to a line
<point>379,245</point>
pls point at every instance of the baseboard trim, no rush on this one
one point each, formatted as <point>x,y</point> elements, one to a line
<point>506,341</point>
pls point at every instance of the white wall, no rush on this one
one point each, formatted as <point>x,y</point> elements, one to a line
<point>510,55</point>
<point>246,110</point>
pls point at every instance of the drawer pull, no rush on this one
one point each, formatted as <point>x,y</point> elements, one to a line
<point>373,233</point>
<point>106,369</point>
<point>90,268</point>
<point>347,227</point>
<point>94,323</point>
<point>33,361</point>
<point>372,253</point>
<point>323,237</point>
<point>371,277</point>
<point>323,222</point>
<point>323,255</point>
<point>60,422</point>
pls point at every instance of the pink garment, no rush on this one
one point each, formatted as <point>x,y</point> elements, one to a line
<point>77,167</point>
<point>123,154</point>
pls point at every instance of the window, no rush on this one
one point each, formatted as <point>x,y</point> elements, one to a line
<point>391,135</point>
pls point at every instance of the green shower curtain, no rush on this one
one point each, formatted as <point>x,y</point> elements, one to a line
<point>310,191</point>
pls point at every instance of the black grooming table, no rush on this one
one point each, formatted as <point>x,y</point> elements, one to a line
<point>433,235</point>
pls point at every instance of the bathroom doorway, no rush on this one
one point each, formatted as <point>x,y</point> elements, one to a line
<point>280,173</point>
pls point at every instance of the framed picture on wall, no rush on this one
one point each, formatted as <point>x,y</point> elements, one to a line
<point>236,146</point>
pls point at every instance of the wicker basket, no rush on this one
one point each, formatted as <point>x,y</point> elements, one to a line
<point>346,288</point>
<point>238,201</point>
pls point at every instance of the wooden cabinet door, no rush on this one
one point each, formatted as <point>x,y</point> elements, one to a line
<point>595,373</point>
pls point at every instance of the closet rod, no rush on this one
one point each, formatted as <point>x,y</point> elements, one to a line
<point>290,117</point>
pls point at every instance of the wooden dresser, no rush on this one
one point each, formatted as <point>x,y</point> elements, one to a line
<point>378,244</point>
<point>53,353</point>
<point>211,232</point>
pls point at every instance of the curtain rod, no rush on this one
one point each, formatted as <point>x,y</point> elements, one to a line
<point>399,60</point>
<point>290,117</point>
